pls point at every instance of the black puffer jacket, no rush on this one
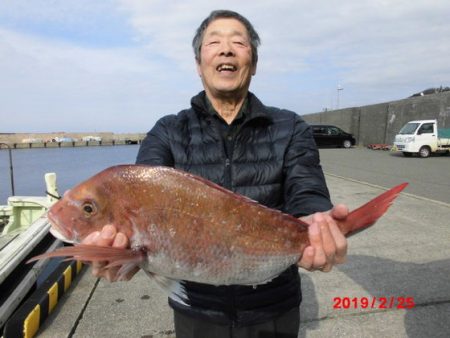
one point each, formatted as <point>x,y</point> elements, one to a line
<point>274,160</point>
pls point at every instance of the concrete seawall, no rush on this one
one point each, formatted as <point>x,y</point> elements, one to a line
<point>52,140</point>
<point>379,123</point>
<point>29,145</point>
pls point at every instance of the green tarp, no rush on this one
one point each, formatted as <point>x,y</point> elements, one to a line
<point>444,133</point>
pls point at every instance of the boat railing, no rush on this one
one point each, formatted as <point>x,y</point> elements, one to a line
<point>22,211</point>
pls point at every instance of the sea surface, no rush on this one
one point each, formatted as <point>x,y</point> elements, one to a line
<point>71,165</point>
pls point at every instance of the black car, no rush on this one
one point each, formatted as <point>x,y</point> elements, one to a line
<point>328,135</point>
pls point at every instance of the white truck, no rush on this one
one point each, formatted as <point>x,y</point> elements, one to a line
<point>422,137</point>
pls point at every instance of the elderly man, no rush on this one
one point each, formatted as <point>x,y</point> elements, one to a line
<point>229,137</point>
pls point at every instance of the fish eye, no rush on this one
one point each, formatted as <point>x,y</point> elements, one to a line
<point>89,209</point>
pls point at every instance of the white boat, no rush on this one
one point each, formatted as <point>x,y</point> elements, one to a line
<point>23,234</point>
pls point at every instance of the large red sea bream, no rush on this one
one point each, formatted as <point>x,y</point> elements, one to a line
<point>183,227</point>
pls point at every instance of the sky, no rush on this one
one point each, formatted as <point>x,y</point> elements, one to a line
<point>120,65</point>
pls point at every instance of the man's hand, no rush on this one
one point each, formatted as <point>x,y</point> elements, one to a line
<point>328,245</point>
<point>108,236</point>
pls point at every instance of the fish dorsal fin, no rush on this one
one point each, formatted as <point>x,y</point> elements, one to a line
<point>214,185</point>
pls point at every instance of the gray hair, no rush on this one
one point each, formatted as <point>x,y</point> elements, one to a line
<point>220,14</point>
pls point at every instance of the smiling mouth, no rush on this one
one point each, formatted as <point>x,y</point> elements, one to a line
<point>226,68</point>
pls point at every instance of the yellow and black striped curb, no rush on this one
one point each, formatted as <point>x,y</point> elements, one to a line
<point>26,321</point>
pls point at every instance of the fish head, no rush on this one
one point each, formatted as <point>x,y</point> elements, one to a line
<point>86,208</point>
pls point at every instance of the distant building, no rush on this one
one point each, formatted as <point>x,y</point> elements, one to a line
<point>31,140</point>
<point>91,138</point>
<point>64,139</point>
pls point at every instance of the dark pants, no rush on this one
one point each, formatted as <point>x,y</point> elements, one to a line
<point>285,326</point>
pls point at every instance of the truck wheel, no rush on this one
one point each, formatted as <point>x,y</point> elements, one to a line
<point>407,154</point>
<point>347,144</point>
<point>424,152</point>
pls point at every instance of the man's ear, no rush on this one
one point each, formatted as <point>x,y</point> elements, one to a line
<point>197,63</point>
<point>254,69</point>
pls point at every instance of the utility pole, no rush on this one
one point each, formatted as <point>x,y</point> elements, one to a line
<point>339,88</point>
<point>11,170</point>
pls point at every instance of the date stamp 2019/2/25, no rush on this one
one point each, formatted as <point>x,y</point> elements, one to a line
<point>390,302</point>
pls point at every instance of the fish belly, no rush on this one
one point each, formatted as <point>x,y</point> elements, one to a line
<point>235,269</point>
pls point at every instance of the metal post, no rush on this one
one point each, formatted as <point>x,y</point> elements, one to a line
<point>339,88</point>
<point>11,170</point>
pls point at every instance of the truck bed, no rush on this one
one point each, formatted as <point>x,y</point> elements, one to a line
<point>444,133</point>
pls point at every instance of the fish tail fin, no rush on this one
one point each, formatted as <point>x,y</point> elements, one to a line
<point>94,253</point>
<point>366,215</point>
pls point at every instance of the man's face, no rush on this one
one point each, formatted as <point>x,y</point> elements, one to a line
<point>225,64</point>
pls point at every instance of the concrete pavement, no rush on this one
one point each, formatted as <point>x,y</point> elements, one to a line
<point>404,258</point>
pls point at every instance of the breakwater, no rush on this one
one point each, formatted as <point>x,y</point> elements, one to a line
<point>27,145</point>
<point>59,140</point>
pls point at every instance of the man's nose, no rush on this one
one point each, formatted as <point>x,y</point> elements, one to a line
<point>227,49</point>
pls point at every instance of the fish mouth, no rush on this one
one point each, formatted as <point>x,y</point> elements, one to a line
<point>58,231</point>
<point>60,236</point>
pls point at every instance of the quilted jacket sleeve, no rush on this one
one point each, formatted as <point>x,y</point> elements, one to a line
<point>155,148</point>
<point>305,190</point>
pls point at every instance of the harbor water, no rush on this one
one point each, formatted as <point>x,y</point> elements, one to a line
<point>71,165</point>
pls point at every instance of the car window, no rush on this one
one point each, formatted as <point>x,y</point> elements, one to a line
<point>408,128</point>
<point>319,130</point>
<point>426,128</point>
<point>333,131</point>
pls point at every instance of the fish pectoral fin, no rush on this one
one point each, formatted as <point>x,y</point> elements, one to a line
<point>125,269</point>
<point>94,253</point>
<point>173,287</point>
